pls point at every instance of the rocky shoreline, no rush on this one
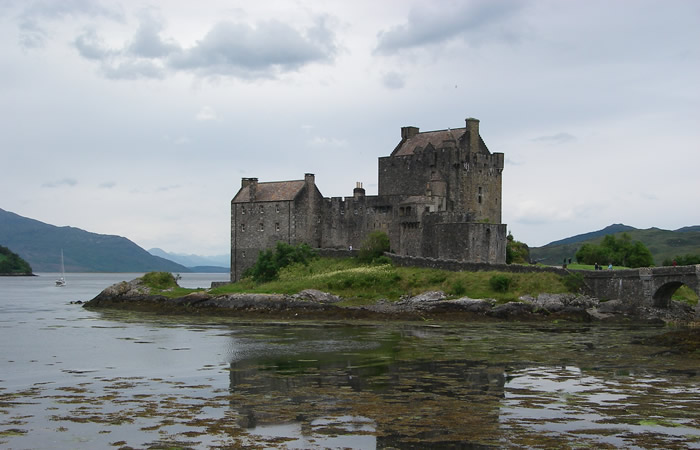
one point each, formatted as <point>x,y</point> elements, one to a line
<point>313,304</point>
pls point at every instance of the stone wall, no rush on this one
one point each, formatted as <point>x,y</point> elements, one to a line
<point>457,266</point>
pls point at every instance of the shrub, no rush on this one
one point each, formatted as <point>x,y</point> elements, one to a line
<point>458,288</point>
<point>269,262</point>
<point>373,247</point>
<point>500,283</point>
<point>516,252</point>
<point>574,282</point>
<point>159,280</point>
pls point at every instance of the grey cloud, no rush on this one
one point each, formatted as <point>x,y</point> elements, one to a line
<point>35,14</point>
<point>147,42</point>
<point>559,138</point>
<point>228,49</point>
<point>113,63</point>
<point>241,50</point>
<point>393,80</point>
<point>132,69</point>
<point>107,185</point>
<point>64,182</point>
<point>90,46</point>
<point>438,22</point>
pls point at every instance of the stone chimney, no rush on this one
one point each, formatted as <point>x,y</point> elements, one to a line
<point>408,132</point>
<point>473,130</point>
<point>359,191</point>
<point>252,184</point>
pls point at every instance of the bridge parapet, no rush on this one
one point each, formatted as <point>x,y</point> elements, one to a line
<point>648,286</point>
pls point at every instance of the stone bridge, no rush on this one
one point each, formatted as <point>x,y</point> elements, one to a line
<point>649,286</point>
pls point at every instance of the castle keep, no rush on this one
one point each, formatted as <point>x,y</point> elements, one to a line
<point>439,196</point>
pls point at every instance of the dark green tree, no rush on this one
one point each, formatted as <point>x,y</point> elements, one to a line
<point>683,260</point>
<point>620,251</point>
<point>270,261</point>
<point>374,246</point>
<point>516,252</point>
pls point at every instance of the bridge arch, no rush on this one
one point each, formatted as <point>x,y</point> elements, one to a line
<point>662,297</point>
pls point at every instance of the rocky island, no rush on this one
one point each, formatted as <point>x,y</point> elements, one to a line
<point>140,295</point>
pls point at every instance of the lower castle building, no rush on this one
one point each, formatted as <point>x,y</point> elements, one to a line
<point>439,196</point>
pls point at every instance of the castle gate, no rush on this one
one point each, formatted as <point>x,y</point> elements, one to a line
<point>648,286</point>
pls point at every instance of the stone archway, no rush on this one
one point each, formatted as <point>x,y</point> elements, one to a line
<point>662,296</point>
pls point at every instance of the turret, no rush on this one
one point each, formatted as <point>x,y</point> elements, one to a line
<point>473,131</point>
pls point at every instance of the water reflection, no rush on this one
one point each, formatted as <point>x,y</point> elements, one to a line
<point>73,378</point>
<point>398,401</point>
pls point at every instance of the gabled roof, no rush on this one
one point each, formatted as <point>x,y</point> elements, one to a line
<point>274,191</point>
<point>435,139</point>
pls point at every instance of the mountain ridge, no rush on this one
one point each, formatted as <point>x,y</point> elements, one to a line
<point>40,245</point>
<point>663,244</point>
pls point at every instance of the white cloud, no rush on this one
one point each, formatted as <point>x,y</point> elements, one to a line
<point>393,80</point>
<point>319,141</point>
<point>559,138</point>
<point>206,113</point>
<point>70,182</point>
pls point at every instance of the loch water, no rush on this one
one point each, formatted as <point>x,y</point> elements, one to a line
<point>76,378</point>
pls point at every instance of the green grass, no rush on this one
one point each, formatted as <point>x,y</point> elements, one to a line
<point>685,294</point>
<point>363,284</point>
<point>576,266</point>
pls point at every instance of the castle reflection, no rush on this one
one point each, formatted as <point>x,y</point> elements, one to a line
<point>385,391</point>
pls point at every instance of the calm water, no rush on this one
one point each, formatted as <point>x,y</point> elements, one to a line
<point>72,378</point>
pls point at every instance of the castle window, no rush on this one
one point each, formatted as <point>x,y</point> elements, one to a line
<point>242,228</point>
<point>262,226</point>
<point>355,212</point>
<point>262,210</point>
<point>243,253</point>
<point>479,194</point>
<point>277,226</point>
<point>242,209</point>
<point>277,208</point>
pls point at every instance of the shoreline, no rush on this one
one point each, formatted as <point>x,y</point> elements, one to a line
<point>431,305</point>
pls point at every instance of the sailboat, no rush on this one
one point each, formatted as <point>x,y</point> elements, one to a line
<point>62,279</point>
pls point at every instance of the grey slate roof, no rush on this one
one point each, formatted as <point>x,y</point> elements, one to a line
<point>275,191</point>
<point>434,138</point>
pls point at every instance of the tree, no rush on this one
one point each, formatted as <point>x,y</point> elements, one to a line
<point>683,260</point>
<point>516,252</point>
<point>374,246</point>
<point>269,262</point>
<point>620,251</point>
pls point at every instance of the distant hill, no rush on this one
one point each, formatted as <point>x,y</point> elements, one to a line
<point>663,244</point>
<point>210,264</point>
<point>12,264</point>
<point>40,245</point>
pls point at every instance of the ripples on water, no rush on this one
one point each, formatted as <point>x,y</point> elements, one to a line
<point>73,378</point>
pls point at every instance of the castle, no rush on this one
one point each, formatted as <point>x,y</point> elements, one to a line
<point>439,196</point>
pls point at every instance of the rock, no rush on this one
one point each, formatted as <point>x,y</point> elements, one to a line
<point>429,296</point>
<point>473,305</point>
<point>315,295</point>
<point>611,307</point>
<point>510,310</point>
<point>559,302</point>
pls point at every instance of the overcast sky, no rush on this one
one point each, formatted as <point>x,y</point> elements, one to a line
<point>140,118</point>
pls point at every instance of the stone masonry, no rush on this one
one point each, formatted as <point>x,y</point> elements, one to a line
<point>439,197</point>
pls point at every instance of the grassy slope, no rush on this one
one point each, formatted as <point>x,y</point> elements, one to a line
<point>661,243</point>
<point>362,284</point>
